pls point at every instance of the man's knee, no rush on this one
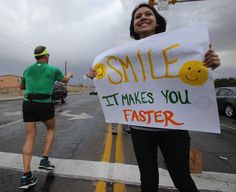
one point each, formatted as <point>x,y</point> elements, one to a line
<point>27,150</point>
<point>50,124</point>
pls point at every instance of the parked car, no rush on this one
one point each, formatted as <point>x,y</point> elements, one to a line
<point>226,100</point>
<point>93,93</point>
<point>59,92</point>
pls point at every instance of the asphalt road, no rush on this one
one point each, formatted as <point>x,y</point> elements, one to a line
<point>82,135</point>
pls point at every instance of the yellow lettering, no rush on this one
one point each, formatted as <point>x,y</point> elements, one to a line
<point>115,69</point>
<point>151,65</point>
<point>125,66</point>
<point>167,61</point>
<point>141,63</point>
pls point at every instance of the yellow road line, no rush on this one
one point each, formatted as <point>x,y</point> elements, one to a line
<point>119,158</point>
<point>119,187</point>
<point>101,185</point>
<point>108,143</point>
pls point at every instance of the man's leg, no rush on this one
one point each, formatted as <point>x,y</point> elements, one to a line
<point>50,125</point>
<point>45,163</point>
<point>27,178</point>
<point>30,132</point>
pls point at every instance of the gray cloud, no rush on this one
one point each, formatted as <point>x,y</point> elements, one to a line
<point>77,31</point>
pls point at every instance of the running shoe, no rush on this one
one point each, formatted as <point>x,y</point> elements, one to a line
<point>26,182</point>
<point>46,164</point>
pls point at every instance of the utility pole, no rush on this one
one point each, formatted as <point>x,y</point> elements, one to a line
<point>65,68</point>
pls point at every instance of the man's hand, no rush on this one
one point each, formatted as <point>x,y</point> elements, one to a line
<point>22,84</point>
<point>67,77</point>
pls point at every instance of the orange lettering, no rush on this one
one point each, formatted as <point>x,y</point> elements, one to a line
<point>168,116</point>
<point>156,115</point>
<point>125,113</point>
<point>135,115</point>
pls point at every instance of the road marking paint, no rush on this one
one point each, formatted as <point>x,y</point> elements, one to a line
<point>15,113</point>
<point>119,157</point>
<point>21,120</point>
<point>9,109</point>
<point>119,187</point>
<point>227,126</point>
<point>11,123</point>
<point>101,185</point>
<point>75,116</point>
<point>108,143</point>
<point>116,172</point>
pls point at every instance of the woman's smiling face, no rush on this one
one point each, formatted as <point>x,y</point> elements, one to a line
<point>144,22</point>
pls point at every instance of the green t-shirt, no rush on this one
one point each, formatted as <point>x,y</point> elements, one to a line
<point>39,78</point>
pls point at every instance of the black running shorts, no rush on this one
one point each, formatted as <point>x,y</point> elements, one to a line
<point>35,111</point>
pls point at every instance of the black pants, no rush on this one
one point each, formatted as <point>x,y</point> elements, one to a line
<point>175,147</point>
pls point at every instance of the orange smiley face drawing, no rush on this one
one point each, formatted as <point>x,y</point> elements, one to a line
<point>101,70</point>
<point>193,73</point>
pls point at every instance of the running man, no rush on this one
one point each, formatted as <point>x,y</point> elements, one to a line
<point>38,80</point>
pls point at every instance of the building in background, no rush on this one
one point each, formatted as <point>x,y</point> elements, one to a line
<point>9,81</point>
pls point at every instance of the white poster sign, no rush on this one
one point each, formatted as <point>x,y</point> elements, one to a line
<point>159,82</point>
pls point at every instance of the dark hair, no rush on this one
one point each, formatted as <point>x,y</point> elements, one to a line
<point>159,19</point>
<point>39,50</point>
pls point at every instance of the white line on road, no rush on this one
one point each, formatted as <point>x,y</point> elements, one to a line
<point>11,123</point>
<point>227,126</point>
<point>14,113</point>
<point>9,109</point>
<point>115,172</point>
<point>21,120</point>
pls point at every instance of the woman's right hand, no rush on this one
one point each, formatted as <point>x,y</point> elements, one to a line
<point>92,73</point>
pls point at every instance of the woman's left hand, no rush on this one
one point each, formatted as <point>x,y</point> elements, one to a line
<point>211,60</point>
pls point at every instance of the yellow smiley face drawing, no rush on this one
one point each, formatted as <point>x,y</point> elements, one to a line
<point>101,70</point>
<point>193,73</point>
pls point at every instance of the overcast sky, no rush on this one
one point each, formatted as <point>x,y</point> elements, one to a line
<point>78,30</point>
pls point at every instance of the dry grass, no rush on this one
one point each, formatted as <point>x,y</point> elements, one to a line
<point>11,92</point>
<point>78,88</point>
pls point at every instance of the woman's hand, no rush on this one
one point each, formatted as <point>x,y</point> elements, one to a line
<point>92,73</point>
<point>211,60</point>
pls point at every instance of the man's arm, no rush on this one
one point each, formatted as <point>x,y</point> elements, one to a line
<point>67,77</point>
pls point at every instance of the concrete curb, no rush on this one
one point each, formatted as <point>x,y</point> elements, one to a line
<point>116,172</point>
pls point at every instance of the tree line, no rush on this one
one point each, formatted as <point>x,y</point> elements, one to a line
<point>225,82</point>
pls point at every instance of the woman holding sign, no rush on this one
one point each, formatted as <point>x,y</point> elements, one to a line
<point>174,144</point>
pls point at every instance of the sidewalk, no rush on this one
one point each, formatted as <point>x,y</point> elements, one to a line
<point>116,172</point>
<point>9,98</point>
